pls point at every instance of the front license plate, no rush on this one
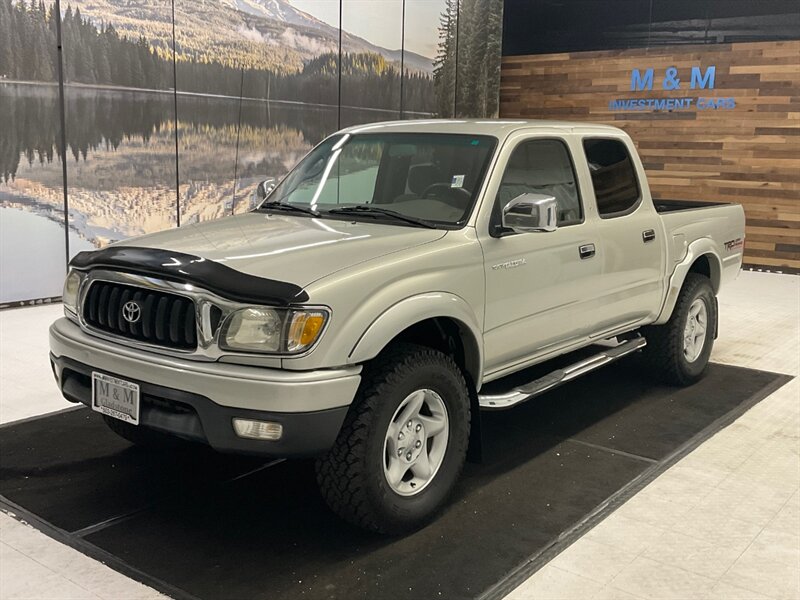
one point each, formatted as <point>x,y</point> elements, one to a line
<point>115,397</point>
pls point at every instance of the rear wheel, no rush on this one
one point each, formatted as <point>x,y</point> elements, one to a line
<point>678,351</point>
<point>403,442</point>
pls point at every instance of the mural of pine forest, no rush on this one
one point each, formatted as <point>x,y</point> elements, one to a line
<point>163,131</point>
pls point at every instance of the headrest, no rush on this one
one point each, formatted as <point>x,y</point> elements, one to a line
<point>517,176</point>
<point>542,163</point>
<point>422,176</point>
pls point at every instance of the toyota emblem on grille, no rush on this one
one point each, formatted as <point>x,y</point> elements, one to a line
<point>131,311</point>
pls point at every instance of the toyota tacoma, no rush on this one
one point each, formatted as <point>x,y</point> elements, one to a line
<point>376,299</point>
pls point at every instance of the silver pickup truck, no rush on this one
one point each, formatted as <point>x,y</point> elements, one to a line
<point>360,311</point>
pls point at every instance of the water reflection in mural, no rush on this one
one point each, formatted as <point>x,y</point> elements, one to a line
<point>254,86</point>
<point>32,245</point>
<point>121,150</point>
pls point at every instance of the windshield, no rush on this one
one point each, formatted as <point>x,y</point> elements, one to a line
<point>432,177</point>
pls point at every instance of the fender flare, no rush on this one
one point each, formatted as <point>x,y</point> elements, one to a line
<point>418,308</point>
<point>702,247</point>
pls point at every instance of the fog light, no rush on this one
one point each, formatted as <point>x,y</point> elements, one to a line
<point>257,430</point>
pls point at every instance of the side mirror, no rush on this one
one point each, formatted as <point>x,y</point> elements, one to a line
<point>531,212</point>
<point>263,189</point>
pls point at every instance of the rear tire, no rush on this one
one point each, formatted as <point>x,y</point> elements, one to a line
<point>403,443</point>
<point>677,352</point>
<point>142,436</point>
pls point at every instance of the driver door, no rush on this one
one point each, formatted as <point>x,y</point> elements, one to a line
<point>538,284</point>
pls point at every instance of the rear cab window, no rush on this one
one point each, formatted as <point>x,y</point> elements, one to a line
<point>616,186</point>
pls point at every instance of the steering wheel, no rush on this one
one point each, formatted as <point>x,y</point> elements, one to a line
<point>449,195</point>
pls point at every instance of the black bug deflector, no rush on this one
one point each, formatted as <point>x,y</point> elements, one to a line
<point>187,268</point>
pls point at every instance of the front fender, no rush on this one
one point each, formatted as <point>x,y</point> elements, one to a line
<point>413,310</point>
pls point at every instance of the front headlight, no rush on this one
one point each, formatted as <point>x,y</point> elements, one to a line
<point>69,296</point>
<point>272,330</point>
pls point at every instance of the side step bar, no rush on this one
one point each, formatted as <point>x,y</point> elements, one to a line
<point>559,376</point>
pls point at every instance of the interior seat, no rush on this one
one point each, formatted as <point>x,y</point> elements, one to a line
<point>420,177</point>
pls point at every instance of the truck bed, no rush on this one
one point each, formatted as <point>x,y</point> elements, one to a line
<point>665,206</point>
<point>714,225</point>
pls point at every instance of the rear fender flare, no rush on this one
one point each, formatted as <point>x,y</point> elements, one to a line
<point>702,247</point>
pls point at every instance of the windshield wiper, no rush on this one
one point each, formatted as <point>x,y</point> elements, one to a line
<point>366,208</point>
<point>289,207</point>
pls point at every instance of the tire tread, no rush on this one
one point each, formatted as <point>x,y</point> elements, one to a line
<point>662,355</point>
<point>340,473</point>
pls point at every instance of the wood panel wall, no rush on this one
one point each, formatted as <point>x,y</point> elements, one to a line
<point>749,154</point>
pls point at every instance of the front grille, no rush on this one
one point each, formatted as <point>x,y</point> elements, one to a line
<point>163,319</point>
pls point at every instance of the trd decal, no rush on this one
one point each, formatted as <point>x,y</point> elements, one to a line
<point>734,244</point>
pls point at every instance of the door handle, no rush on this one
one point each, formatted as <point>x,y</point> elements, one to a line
<point>586,251</point>
<point>648,235</point>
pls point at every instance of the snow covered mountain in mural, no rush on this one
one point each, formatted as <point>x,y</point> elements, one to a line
<point>265,34</point>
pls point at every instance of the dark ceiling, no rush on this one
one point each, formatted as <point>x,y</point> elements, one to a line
<point>549,26</point>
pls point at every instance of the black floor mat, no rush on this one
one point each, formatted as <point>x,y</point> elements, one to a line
<point>73,471</point>
<point>212,526</point>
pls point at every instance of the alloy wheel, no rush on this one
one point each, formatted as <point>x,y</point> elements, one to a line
<point>416,441</point>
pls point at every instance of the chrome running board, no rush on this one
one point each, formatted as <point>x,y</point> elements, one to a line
<point>559,376</point>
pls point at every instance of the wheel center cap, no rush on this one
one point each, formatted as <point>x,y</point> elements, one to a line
<point>410,440</point>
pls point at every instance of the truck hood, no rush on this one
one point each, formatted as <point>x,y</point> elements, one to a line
<point>288,248</point>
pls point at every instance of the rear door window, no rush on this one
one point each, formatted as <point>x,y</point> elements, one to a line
<point>616,187</point>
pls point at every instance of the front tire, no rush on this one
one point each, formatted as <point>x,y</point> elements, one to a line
<point>677,352</point>
<point>403,443</point>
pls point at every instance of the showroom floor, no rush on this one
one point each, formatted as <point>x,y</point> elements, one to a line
<point>724,522</point>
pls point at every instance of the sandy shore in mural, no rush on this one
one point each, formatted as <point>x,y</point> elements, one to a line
<point>105,217</point>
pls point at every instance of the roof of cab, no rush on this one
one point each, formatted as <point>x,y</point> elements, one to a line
<point>499,128</point>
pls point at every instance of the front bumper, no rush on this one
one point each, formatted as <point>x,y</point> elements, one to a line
<point>197,400</point>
